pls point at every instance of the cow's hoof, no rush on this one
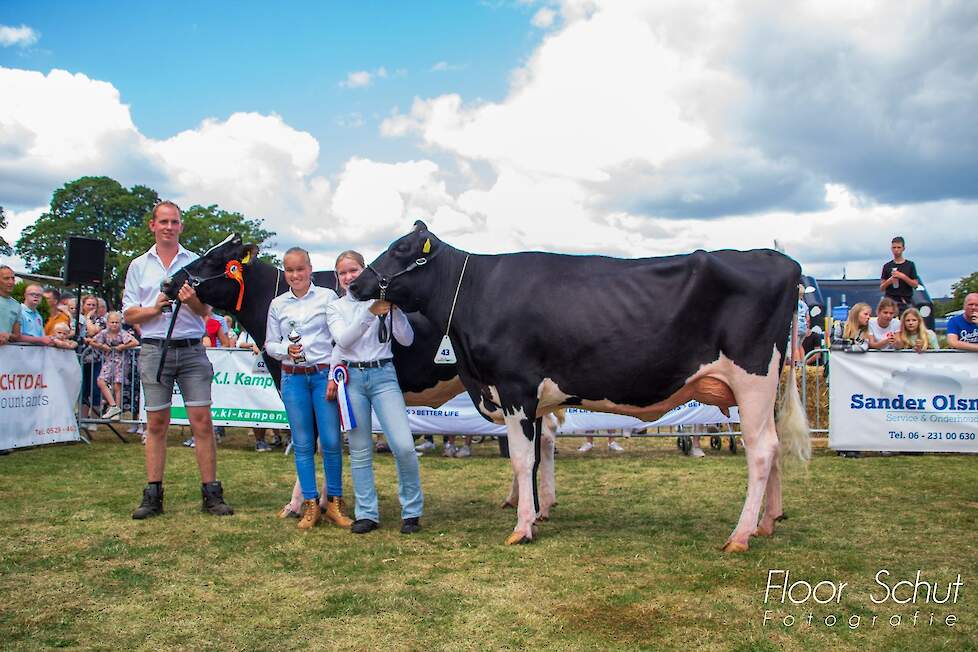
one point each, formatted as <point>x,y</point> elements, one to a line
<point>764,530</point>
<point>517,538</point>
<point>733,546</point>
<point>507,505</point>
<point>541,518</point>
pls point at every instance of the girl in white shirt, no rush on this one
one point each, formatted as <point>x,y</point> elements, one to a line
<point>305,374</point>
<point>372,385</point>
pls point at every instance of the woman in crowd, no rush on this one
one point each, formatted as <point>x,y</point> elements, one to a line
<point>914,334</point>
<point>373,385</point>
<point>299,336</point>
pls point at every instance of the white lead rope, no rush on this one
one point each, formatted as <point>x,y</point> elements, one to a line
<point>446,354</point>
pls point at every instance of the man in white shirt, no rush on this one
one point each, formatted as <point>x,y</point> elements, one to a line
<point>186,362</point>
<point>883,328</point>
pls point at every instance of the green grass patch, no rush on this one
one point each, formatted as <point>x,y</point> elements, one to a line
<point>629,560</point>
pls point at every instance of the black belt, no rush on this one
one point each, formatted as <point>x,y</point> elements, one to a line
<point>373,364</point>
<point>155,341</point>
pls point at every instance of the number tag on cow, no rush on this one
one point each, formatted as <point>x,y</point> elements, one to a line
<point>446,354</point>
<point>258,365</point>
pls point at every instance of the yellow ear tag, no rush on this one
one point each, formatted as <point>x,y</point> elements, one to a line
<point>247,257</point>
<point>427,246</point>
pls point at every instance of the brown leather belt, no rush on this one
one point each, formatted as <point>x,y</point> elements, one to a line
<point>293,369</point>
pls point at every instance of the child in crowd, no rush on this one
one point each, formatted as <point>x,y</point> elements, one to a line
<point>884,330</point>
<point>61,332</point>
<point>112,342</point>
<point>855,330</point>
<point>914,334</point>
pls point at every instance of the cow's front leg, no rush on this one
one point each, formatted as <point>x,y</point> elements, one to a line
<point>519,429</point>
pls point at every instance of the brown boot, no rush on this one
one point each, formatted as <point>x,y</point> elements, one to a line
<point>334,511</point>
<point>310,514</point>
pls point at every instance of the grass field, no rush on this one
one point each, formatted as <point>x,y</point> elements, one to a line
<point>629,561</point>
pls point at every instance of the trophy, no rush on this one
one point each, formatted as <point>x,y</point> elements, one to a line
<point>295,338</point>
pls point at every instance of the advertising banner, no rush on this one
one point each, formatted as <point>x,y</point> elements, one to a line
<point>242,391</point>
<point>39,386</point>
<point>904,401</point>
<point>460,416</point>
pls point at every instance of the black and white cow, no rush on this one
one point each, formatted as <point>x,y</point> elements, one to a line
<point>423,382</point>
<point>534,332</point>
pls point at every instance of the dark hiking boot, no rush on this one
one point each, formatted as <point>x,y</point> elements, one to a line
<point>152,504</point>
<point>212,499</point>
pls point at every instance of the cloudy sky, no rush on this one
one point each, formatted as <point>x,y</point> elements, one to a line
<point>581,126</point>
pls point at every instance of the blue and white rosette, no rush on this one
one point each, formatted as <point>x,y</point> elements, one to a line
<point>348,421</point>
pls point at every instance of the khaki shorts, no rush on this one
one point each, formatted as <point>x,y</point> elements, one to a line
<point>188,366</point>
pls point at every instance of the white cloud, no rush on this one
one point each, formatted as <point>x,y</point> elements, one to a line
<point>544,18</point>
<point>59,126</point>
<point>352,120</point>
<point>364,78</point>
<point>22,36</point>
<point>358,79</point>
<point>444,66</point>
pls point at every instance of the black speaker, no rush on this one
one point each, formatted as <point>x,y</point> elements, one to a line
<point>85,264</point>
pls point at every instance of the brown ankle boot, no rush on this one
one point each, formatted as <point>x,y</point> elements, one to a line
<point>310,514</point>
<point>334,511</point>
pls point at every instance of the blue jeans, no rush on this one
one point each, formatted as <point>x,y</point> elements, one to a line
<point>306,406</point>
<point>378,388</point>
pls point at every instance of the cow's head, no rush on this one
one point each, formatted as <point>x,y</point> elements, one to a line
<point>218,275</point>
<point>398,274</point>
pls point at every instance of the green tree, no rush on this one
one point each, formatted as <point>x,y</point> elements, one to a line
<point>959,289</point>
<point>5,249</point>
<point>203,227</point>
<point>93,207</point>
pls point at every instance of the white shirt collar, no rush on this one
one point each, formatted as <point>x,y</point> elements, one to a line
<point>309,293</point>
<point>181,251</point>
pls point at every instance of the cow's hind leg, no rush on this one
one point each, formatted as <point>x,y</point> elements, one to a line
<point>548,482</point>
<point>755,398</point>
<point>520,429</point>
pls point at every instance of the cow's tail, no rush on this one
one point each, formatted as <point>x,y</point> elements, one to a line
<point>791,420</point>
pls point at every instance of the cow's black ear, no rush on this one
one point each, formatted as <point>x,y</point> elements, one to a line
<point>250,254</point>
<point>420,226</point>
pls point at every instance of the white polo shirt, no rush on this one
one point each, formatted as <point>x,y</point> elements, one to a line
<point>308,313</point>
<point>143,286</point>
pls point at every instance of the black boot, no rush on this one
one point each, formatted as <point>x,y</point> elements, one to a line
<point>212,499</point>
<point>152,504</point>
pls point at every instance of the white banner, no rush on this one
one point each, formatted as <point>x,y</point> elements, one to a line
<point>904,401</point>
<point>244,396</point>
<point>39,387</point>
<point>243,393</point>
<point>460,417</point>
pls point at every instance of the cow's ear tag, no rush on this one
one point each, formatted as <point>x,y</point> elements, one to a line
<point>427,247</point>
<point>446,354</point>
<point>247,257</point>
